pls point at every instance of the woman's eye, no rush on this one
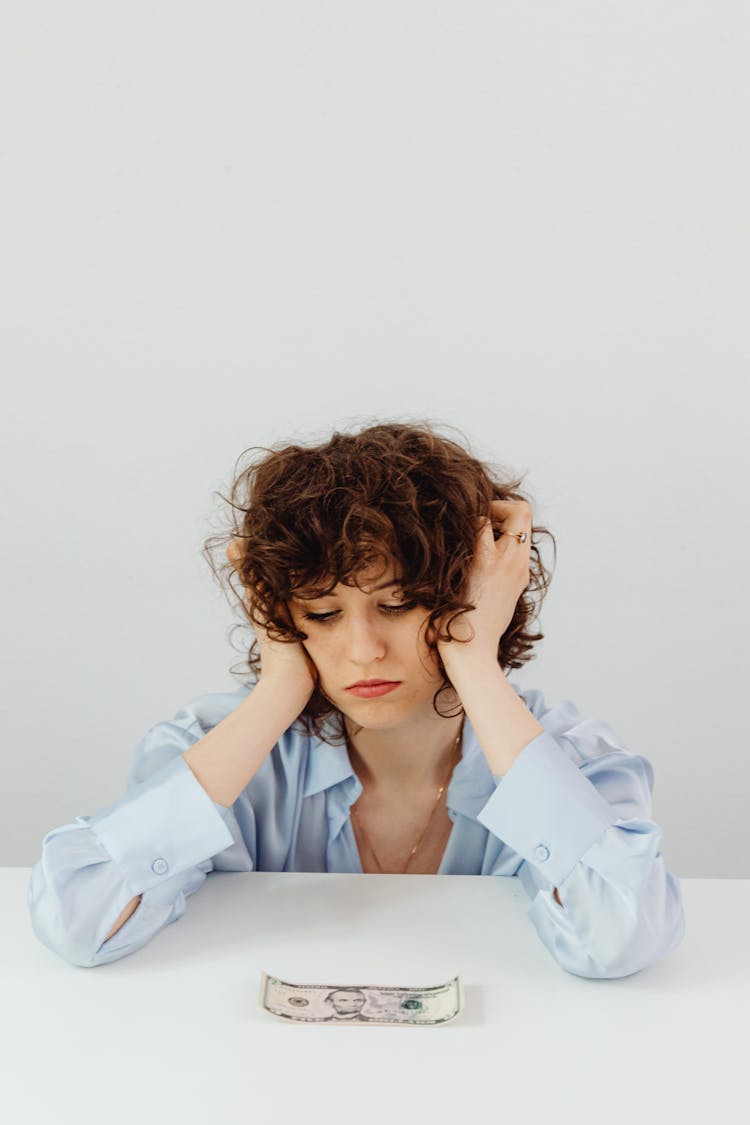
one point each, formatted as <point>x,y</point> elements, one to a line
<point>324,618</point>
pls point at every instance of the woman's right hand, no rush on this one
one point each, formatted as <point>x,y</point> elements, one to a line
<point>286,662</point>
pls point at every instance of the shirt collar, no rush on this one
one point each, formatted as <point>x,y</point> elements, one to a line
<point>327,765</point>
<point>470,788</point>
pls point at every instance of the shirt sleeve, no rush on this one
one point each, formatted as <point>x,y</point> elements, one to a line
<point>159,841</point>
<point>577,807</point>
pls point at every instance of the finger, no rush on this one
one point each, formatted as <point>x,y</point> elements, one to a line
<point>518,512</point>
<point>233,552</point>
<point>484,528</point>
<point>486,543</point>
<point>517,506</point>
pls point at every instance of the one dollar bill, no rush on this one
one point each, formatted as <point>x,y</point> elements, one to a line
<point>361,1004</point>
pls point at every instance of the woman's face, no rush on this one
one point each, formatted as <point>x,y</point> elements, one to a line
<point>366,635</point>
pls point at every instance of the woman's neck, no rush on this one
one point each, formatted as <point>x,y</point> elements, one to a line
<point>406,759</point>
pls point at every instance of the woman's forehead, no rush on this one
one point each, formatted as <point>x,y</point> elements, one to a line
<point>370,579</point>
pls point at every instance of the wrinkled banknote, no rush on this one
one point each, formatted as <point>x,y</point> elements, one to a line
<point>361,1004</point>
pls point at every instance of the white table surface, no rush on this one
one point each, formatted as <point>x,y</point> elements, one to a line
<point>174,1032</point>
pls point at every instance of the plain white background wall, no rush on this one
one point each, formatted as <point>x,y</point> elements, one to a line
<point>233,224</point>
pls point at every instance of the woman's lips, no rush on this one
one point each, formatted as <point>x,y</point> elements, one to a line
<point>371,690</point>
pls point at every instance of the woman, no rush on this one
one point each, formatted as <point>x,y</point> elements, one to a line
<point>388,557</point>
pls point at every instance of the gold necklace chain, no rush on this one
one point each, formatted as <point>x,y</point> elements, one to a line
<point>429,821</point>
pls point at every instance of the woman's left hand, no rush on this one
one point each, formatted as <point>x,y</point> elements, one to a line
<point>498,576</point>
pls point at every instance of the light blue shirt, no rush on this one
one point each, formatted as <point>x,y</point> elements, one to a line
<point>572,812</point>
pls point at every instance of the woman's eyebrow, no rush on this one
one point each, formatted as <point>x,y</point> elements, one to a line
<point>385,585</point>
<point>382,586</point>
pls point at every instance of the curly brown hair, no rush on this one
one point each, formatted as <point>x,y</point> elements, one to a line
<point>312,516</point>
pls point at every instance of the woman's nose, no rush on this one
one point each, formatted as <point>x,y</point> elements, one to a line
<point>364,640</point>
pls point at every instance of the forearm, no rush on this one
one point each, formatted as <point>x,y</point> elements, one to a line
<point>501,720</point>
<point>229,756</point>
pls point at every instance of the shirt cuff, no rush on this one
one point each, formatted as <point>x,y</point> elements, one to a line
<point>546,810</point>
<point>164,826</point>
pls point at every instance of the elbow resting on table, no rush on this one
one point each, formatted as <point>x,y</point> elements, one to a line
<point>129,910</point>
